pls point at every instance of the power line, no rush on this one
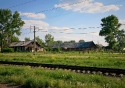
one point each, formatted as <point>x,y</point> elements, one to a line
<point>116,2</point>
<point>59,15</point>
<point>81,28</point>
<point>101,6</point>
<point>62,6</point>
<point>57,32</point>
<point>50,9</point>
<point>64,32</point>
<point>22,3</point>
<point>62,29</point>
<point>67,28</point>
<point>73,4</point>
<point>57,7</point>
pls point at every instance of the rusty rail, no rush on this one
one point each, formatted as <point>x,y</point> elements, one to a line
<point>80,69</point>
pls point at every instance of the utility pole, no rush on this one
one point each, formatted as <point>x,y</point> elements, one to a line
<point>34,41</point>
<point>1,39</point>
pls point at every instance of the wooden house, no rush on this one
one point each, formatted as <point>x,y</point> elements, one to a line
<point>76,46</point>
<point>25,46</point>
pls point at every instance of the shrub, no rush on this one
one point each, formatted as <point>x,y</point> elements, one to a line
<point>7,50</point>
<point>48,49</point>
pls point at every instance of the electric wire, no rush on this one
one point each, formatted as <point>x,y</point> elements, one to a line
<point>21,4</point>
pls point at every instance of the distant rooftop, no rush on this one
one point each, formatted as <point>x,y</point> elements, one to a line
<point>73,45</point>
<point>21,43</point>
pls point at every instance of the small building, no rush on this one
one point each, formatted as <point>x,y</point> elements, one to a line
<point>80,46</point>
<point>25,46</point>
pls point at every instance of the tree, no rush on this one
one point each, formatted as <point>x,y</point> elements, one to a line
<point>81,41</point>
<point>49,40</point>
<point>72,41</point>
<point>10,25</point>
<point>110,29</point>
<point>40,41</point>
<point>27,39</point>
<point>66,41</point>
<point>120,36</point>
<point>14,39</point>
<point>58,42</point>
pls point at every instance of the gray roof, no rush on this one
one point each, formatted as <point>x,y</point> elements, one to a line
<point>84,44</point>
<point>21,43</point>
<point>73,45</point>
<point>69,45</point>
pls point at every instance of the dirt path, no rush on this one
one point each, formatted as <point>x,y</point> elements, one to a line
<point>9,86</point>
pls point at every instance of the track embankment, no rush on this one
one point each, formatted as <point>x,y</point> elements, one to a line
<point>80,69</point>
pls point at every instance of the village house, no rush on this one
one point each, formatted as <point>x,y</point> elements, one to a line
<point>25,46</point>
<point>80,46</point>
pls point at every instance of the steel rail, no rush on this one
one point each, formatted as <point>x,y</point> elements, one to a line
<point>80,69</point>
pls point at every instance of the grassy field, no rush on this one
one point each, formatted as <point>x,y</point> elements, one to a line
<point>30,77</point>
<point>70,58</point>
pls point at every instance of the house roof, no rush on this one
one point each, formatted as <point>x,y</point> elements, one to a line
<point>21,43</point>
<point>69,45</point>
<point>84,44</point>
<point>73,45</point>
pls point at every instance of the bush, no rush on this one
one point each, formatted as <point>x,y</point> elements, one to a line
<point>7,50</point>
<point>57,49</point>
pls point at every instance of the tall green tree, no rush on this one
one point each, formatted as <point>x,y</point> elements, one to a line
<point>72,41</point>
<point>81,40</point>
<point>120,36</point>
<point>10,25</point>
<point>27,39</point>
<point>49,40</point>
<point>58,42</point>
<point>40,41</point>
<point>110,30</point>
<point>14,39</point>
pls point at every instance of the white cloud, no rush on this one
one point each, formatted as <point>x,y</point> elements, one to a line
<point>55,28</point>
<point>86,6</point>
<point>94,33</point>
<point>66,38</point>
<point>122,21</point>
<point>37,23</point>
<point>33,15</point>
<point>64,29</point>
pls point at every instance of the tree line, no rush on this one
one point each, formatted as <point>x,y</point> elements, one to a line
<point>49,41</point>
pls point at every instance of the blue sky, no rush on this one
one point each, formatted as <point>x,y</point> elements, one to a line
<point>66,19</point>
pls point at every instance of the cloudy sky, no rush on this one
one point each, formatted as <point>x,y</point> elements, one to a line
<point>65,19</point>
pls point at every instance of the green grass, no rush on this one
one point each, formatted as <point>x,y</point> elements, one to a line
<point>30,77</point>
<point>69,58</point>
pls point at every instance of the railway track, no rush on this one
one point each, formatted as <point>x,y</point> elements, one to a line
<point>79,69</point>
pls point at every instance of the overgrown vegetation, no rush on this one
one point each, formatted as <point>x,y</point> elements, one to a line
<point>30,77</point>
<point>7,50</point>
<point>99,59</point>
